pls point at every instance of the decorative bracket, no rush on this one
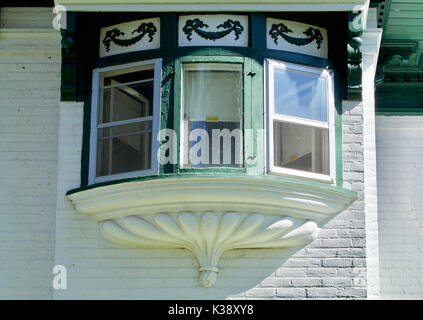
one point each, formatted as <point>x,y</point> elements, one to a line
<point>211,215</point>
<point>208,235</point>
<point>196,25</point>
<point>400,61</point>
<point>354,56</point>
<point>282,30</point>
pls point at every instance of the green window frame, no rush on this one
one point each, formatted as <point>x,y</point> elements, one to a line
<point>178,116</point>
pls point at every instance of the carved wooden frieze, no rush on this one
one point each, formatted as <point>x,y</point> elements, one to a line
<point>130,36</point>
<point>296,37</point>
<point>213,30</point>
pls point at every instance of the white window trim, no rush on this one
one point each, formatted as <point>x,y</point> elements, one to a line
<point>94,126</point>
<point>270,116</point>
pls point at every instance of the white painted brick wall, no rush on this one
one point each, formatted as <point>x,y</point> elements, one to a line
<point>400,184</point>
<point>29,97</point>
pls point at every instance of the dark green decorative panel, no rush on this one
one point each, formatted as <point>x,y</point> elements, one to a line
<point>354,57</point>
<point>69,60</point>
<point>68,83</point>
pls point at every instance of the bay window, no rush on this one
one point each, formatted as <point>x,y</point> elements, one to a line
<point>207,131</point>
<point>254,110</point>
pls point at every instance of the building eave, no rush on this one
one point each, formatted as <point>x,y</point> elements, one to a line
<point>212,5</point>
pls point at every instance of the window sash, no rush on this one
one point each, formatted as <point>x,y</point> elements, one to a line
<point>98,75</point>
<point>270,65</point>
<point>119,123</point>
<point>121,84</point>
<point>301,121</point>
<point>205,66</point>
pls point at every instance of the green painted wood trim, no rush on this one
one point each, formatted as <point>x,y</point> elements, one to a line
<point>217,2</point>
<point>255,53</point>
<point>338,147</point>
<point>399,112</point>
<point>338,127</point>
<point>213,171</point>
<point>257,30</point>
<point>178,99</point>
<point>168,31</point>
<point>69,63</point>
<point>386,14</point>
<point>177,116</point>
<point>257,165</point>
<point>294,181</point>
<point>86,129</point>
<point>167,107</point>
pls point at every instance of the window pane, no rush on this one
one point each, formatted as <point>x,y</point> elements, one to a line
<point>124,148</point>
<point>126,96</point>
<point>146,72</point>
<point>212,102</point>
<point>300,94</point>
<point>301,147</point>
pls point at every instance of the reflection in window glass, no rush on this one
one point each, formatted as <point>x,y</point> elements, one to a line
<point>212,106</point>
<point>300,94</point>
<point>299,103</point>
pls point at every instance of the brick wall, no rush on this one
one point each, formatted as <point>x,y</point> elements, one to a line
<point>400,184</point>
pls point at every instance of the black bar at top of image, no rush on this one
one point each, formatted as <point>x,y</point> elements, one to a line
<point>27,3</point>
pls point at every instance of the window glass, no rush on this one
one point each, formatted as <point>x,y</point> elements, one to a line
<point>301,147</point>
<point>300,94</point>
<point>126,98</point>
<point>212,103</point>
<point>124,148</point>
<point>125,121</point>
<point>299,104</point>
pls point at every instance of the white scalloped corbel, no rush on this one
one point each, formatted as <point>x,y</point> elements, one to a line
<point>209,235</point>
<point>210,215</point>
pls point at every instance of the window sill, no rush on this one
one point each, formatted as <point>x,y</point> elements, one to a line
<point>317,177</point>
<point>211,170</point>
<point>121,176</point>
